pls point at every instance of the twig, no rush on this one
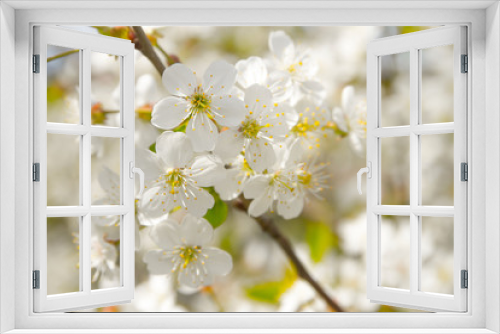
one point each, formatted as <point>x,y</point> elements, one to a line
<point>268,226</point>
<point>63,54</point>
<point>144,45</point>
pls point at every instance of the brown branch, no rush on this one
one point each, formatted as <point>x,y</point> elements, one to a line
<point>144,45</point>
<point>267,225</point>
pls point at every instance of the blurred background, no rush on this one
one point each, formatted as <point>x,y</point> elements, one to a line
<point>330,234</point>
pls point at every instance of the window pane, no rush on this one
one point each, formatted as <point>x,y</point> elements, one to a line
<point>395,86</point>
<point>437,169</point>
<point>395,252</point>
<point>437,255</point>
<point>63,170</point>
<point>63,85</point>
<point>105,89</point>
<point>395,170</point>
<point>105,252</point>
<point>63,255</point>
<point>106,171</point>
<point>437,84</point>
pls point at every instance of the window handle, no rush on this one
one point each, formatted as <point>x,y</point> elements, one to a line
<point>135,170</point>
<point>368,171</point>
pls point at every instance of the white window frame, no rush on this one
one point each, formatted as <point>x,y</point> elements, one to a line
<point>414,45</point>
<point>87,43</point>
<point>483,21</point>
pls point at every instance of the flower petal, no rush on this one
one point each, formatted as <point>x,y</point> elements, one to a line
<point>150,163</point>
<point>154,204</point>
<point>233,184</point>
<point>206,170</point>
<point>197,200</point>
<point>348,99</point>
<point>259,154</point>
<point>280,84</point>
<point>257,99</point>
<point>179,80</point>
<point>166,235</point>
<point>219,262</point>
<point>261,204</point>
<point>157,263</point>
<point>219,78</point>
<point>203,132</point>
<point>169,112</point>
<point>228,110</point>
<point>195,231</point>
<point>313,90</point>
<point>229,145</point>
<point>256,186</point>
<point>291,208</point>
<point>280,44</point>
<point>174,148</point>
<point>189,278</point>
<point>251,71</point>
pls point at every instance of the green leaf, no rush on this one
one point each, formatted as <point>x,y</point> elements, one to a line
<point>410,29</point>
<point>218,213</point>
<point>152,148</point>
<point>320,240</point>
<point>270,292</point>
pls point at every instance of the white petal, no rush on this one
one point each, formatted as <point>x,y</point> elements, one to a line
<point>203,132</point>
<point>150,163</point>
<point>280,44</point>
<point>169,112</point>
<point>154,204</point>
<point>145,133</point>
<point>157,266</point>
<point>195,231</point>
<point>339,119</point>
<point>251,71</point>
<point>348,98</point>
<point>179,80</point>
<point>229,145</point>
<point>174,148</point>
<point>257,99</point>
<point>110,183</point>
<point>228,110</point>
<point>188,278</point>
<point>219,262</point>
<point>197,201</point>
<point>219,78</point>
<point>166,235</point>
<point>256,186</point>
<point>313,89</point>
<point>280,84</point>
<point>233,184</point>
<point>261,204</point>
<point>206,170</point>
<point>291,208</point>
<point>260,155</point>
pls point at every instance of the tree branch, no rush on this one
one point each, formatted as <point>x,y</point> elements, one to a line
<point>267,225</point>
<point>144,45</point>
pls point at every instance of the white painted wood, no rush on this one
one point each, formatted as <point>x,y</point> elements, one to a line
<point>86,298</point>
<point>414,298</point>
<point>263,14</point>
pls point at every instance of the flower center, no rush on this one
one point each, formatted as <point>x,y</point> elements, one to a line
<point>293,68</point>
<point>305,178</point>
<point>174,178</point>
<point>250,128</point>
<point>199,102</point>
<point>188,254</point>
<point>304,125</point>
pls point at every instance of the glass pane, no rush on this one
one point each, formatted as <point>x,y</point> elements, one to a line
<point>395,170</point>
<point>63,85</point>
<point>395,252</point>
<point>437,169</point>
<point>437,255</point>
<point>63,170</point>
<point>105,252</point>
<point>395,94</point>
<point>106,171</point>
<point>437,84</point>
<point>63,255</point>
<point>105,89</point>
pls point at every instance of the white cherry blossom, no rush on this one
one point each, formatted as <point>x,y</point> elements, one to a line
<point>297,64</point>
<point>253,70</point>
<point>175,177</point>
<point>237,174</point>
<point>350,120</point>
<point>264,123</point>
<point>184,253</point>
<point>204,106</point>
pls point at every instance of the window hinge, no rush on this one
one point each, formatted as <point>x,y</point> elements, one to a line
<point>465,64</point>
<point>464,172</point>
<point>464,279</point>
<point>36,63</point>
<point>36,172</point>
<point>36,279</point>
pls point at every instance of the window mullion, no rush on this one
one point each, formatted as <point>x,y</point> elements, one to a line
<point>414,170</point>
